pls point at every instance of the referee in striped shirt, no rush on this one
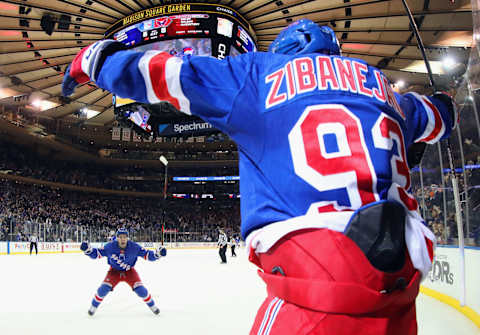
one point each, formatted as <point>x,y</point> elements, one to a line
<point>33,243</point>
<point>222,244</point>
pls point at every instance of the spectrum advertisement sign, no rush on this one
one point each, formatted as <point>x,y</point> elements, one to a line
<point>186,128</point>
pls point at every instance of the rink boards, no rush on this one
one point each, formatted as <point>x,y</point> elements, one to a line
<point>19,248</point>
<point>445,282</point>
<point>23,248</point>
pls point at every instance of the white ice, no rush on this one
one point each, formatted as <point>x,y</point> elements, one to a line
<point>50,294</point>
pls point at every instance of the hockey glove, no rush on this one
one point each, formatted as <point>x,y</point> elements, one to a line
<point>87,64</point>
<point>416,151</point>
<point>84,246</point>
<point>415,154</point>
<point>451,106</point>
<point>162,251</point>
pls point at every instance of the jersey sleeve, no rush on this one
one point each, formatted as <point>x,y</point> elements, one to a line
<point>147,254</point>
<point>201,86</point>
<point>428,119</point>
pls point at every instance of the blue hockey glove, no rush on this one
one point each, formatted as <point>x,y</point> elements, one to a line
<point>84,246</point>
<point>451,106</point>
<point>162,251</point>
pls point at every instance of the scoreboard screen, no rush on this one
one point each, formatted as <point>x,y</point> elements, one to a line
<point>181,30</point>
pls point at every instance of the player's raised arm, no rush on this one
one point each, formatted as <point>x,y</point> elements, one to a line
<point>151,255</point>
<point>92,252</point>
<point>429,118</point>
<point>202,86</point>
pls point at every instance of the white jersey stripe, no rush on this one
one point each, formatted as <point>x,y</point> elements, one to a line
<point>431,124</point>
<point>276,309</point>
<point>172,77</point>
<point>266,316</point>
<point>143,66</point>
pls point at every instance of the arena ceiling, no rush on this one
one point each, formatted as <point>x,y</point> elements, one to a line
<point>378,31</point>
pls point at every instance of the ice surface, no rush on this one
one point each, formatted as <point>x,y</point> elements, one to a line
<point>51,293</point>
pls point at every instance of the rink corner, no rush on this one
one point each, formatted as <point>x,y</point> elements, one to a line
<point>465,310</point>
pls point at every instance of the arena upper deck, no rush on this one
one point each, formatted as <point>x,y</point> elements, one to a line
<point>378,31</point>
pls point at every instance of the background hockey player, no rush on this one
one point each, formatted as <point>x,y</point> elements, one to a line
<point>122,255</point>
<point>222,245</point>
<point>324,179</point>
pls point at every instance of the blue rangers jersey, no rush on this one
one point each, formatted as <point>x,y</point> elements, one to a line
<point>314,132</point>
<point>122,259</point>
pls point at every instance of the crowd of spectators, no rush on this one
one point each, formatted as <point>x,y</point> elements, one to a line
<point>436,200</point>
<point>73,215</point>
<point>62,215</point>
<point>69,215</point>
<point>25,162</point>
<point>186,155</point>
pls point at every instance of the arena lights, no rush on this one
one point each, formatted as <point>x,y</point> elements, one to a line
<point>89,113</point>
<point>419,66</point>
<point>400,84</point>
<point>43,104</point>
<point>448,62</point>
<point>37,103</point>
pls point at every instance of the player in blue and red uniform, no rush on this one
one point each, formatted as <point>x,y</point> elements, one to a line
<point>324,178</point>
<point>122,255</point>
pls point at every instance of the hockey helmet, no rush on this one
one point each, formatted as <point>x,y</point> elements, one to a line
<point>123,231</point>
<point>305,36</point>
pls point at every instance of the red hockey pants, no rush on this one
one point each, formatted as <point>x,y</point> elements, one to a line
<point>324,285</point>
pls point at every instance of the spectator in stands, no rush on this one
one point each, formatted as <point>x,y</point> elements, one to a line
<point>68,215</point>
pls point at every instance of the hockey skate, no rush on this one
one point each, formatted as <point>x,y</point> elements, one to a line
<point>92,310</point>
<point>155,310</point>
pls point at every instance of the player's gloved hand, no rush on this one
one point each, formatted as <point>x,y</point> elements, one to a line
<point>416,151</point>
<point>84,246</point>
<point>87,64</point>
<point>447,99</point>
<point>162,251</point>
<point>415,154</point>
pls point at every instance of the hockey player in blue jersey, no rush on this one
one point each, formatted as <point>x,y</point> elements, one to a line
<point>122,255</point>
<point>324,178</point>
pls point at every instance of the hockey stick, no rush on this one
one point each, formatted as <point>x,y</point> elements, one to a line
<point>453,176</point>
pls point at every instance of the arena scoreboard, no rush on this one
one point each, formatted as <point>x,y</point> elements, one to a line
<point>181,30</point>
<point>187,28</point>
